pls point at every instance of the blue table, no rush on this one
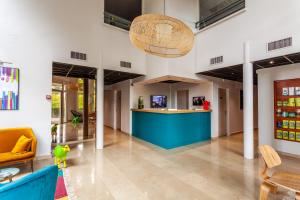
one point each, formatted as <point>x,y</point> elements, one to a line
<point>171,129</point>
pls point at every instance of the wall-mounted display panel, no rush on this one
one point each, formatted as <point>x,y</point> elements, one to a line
<point>287,110</point>
<point>9,88</point>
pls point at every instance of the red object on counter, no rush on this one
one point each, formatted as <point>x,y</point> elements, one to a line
<point>206,105</point>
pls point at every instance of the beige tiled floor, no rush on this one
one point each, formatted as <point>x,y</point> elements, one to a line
<point>129,169</point>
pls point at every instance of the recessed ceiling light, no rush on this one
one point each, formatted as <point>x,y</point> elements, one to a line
<point>272,62</point>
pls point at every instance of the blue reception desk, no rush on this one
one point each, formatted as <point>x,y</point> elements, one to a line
<point>171,129</point>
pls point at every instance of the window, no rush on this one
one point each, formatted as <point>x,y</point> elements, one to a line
<point>92,96</point>
<point>120,13</point>
<point>80,95</point>
<point>56,106</point>
<point>213,11</point>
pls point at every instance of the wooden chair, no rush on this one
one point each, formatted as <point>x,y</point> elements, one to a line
<point>285,180</point>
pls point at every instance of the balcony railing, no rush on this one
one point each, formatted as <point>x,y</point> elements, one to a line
<point>218,14</point>
<point>116,21</point>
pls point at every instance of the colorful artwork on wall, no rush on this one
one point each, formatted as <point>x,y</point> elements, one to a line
<point>9,88</point>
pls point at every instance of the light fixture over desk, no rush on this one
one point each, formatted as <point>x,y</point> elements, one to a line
<point>161,35</point>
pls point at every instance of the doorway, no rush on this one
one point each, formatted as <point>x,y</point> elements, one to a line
<point>118,110</point>
<point>222,112</point>
<point>182,99</point>
<point>73,117</point>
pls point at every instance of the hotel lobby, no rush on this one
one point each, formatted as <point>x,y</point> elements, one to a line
<point>149,99</point>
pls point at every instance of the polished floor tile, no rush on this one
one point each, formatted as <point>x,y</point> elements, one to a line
<point>129,169</point>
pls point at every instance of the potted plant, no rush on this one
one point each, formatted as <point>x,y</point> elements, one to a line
<point>54,132</point>
<point>75,121</point>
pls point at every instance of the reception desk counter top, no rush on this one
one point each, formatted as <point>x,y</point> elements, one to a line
<point>169,111</point>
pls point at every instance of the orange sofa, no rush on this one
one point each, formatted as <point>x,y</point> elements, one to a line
<point>8,139</point>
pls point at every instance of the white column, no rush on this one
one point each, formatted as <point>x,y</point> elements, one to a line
<point>115,96</point>
<point>248,104</point>
<point>100,96</point>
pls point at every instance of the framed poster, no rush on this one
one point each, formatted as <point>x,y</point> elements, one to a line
<point>9,88</point>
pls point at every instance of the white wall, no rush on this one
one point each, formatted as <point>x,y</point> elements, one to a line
<point>266,78</point>
<point>202,89</point>
<point>109,108</point>
<point>187,11</point>
<point>235,115</point>
<point>227,38</point>
<point>55,28</point>
<point>184,66</point>
<point>129,99</point>
<point>147,90</point>
<point>256,24</point>
<point>35,33</point>
<point>117,47</point>
<point>259,24</point>
<point>156,67</point>
<point>125,88</point>
<point>153,6</point>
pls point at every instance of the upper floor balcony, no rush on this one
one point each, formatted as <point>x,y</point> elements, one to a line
<point>211,12</point>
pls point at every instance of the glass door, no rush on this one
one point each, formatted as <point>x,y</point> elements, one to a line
<point>56,107</point>
<point>57,100</point>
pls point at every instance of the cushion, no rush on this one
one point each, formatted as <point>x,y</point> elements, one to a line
<point>9,156</point>
<point>22,145</point>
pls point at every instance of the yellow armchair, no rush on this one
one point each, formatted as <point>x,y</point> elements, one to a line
<point>8,139</point>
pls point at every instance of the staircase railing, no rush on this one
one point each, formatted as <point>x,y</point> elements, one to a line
<point>117,21</point>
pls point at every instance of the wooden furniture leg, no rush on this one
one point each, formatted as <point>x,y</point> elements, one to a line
<point>273,188</point>
<point>10,179</point>
<point>264,191</point>
<point>32,169</point>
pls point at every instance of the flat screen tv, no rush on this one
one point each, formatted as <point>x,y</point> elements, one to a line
<point>158,101</point>
<point>198,101</point>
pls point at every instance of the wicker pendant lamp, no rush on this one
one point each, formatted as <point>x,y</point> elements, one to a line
<point>161,35</point>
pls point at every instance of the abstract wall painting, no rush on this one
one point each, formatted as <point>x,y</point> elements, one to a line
<point>9,88</point>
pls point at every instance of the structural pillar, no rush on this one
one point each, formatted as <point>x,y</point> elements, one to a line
<point>99,109</point>
<point>248,104</point>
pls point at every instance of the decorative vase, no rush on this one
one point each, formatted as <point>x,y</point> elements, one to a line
<point>206,105</point>
<point>141,102</point>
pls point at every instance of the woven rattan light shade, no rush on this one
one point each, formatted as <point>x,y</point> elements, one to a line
<point>161,35</point>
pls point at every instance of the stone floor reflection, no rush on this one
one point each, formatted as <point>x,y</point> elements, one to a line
<point>129,168</point>
<point>67,133</point>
